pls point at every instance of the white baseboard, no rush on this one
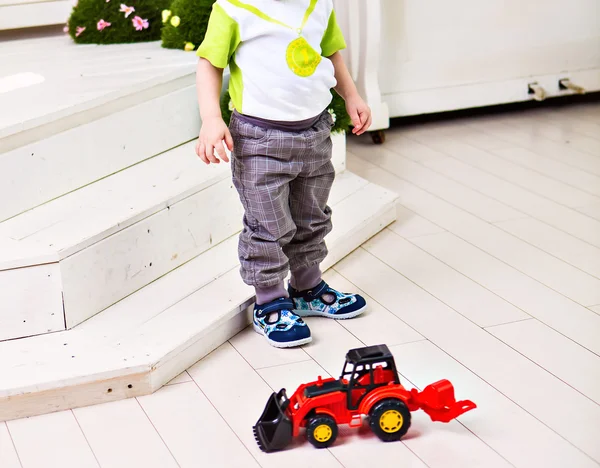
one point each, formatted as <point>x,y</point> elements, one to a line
<point>443,99</point>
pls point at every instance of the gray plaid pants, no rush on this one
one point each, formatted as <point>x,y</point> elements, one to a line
<point>284,180</point>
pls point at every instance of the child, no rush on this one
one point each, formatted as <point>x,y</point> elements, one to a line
<point>284,60</point>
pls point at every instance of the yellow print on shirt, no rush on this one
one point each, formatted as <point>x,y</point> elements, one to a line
<point>302,59</point>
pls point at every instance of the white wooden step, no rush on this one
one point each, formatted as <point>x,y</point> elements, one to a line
<point>123,232</point>
<point>91,111</point>
<point>137,345</point>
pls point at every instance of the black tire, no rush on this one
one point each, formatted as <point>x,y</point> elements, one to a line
<point>390,420</point>
<point>378,137</point>
<point>321,431</point>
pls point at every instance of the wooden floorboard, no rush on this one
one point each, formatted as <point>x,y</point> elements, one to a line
<point>52,440</point>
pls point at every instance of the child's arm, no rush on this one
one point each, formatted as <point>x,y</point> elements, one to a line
<point>209,81</point>
<point>357,108</point>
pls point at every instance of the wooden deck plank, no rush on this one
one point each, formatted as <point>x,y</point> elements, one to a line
<point>52,440</point>
<point>121,435</point>
<point>580,254</point>
<point>192,428</point>
<point>551,271</point>
<point>573,364</point>
<point>8,453</point>
<point>528,385</point>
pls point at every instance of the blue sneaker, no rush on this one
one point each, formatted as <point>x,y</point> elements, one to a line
<point>279,325</point>
<point>325,301</point>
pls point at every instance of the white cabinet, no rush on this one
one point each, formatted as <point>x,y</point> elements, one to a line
<point>435,55</point>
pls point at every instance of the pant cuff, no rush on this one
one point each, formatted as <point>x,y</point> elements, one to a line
<point>270,293</point>
<point>306,278</point>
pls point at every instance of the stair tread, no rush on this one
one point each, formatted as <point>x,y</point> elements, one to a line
<point>78,78</point>
<point>77,220</point>
<point>16,254</point>
<point>135,334</point>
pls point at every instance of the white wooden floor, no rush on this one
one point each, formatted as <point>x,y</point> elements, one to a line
<point>491,278</point>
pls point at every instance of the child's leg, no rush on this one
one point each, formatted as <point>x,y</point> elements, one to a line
<point>309,194</point>
<point>262,172</point>
<point>268,225</point>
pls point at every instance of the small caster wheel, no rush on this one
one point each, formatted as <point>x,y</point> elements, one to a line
<point>378,137</point>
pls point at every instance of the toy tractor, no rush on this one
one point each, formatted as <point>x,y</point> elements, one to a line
<point>369,386</point>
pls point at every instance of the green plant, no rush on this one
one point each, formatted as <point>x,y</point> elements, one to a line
<point>337,108</point>
<point>114,22</point>
<point>185,24</point>
<point>343,122</point>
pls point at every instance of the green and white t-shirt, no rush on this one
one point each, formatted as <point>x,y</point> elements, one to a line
<point>276,51</point>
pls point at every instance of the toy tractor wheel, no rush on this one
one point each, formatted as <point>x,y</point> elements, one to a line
<point>321,431</point>
<point>390,420</point>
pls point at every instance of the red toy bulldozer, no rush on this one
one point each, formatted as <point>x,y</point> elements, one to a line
<point>369,386</point>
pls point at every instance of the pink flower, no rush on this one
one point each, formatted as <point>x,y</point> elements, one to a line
<point>140,23</point>
<point>66,29</point>
<point>126,9</point>
<point>79,30</point>
<point>102,24</point>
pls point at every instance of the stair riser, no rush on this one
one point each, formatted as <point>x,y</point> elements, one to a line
<point>30,301</point>
<point>83,154</point>
<point>110,270</point>
<point>76,396</point>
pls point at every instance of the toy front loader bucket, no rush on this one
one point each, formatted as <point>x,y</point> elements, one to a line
<point>273,431</point>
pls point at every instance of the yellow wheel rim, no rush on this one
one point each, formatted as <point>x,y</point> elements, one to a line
<point>302,59</point>
<point>323,433</point>
<point>391,421</point>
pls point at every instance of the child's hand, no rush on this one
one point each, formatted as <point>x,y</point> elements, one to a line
<point>360,113</point>
<point>212,134</point>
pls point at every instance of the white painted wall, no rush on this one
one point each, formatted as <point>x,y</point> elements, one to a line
<point>468,43</point>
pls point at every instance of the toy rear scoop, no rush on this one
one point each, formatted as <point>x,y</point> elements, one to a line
<point>438,401</point>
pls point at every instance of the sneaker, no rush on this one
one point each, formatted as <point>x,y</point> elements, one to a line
<point>324,301</point>
<point>279,325</point>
